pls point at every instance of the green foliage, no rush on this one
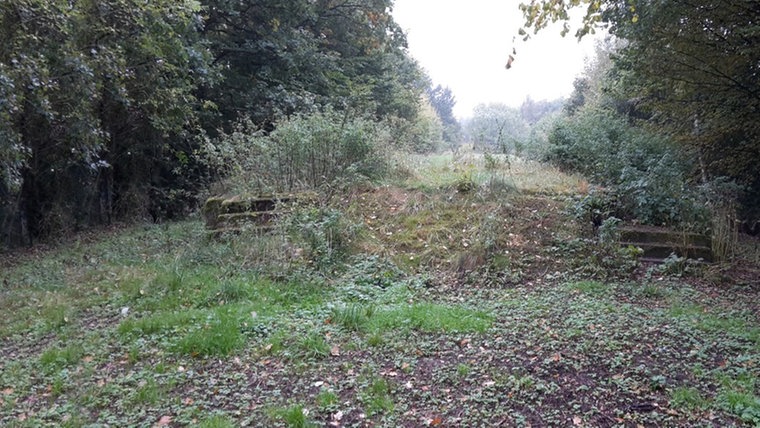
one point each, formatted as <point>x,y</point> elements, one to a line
<point>294,416</point>
<point>590,287</point>
<point>432,317</point>
<point>647,175</point>
<point>688,70</point>
<point>106,107</point>
<point>283,58</point>
<point>313,346</point>
<point>315,151</point>
<point>443,101</point>
<point>352,316</point>
<point>324,235</point>
<point>377,396</point>
<point>327,399</point>
<point>96,102</point>
<point>219,335</point>
<point>57,358</point>
<point>423,134</point>
<point>688,398</point>
<point>218,421</point>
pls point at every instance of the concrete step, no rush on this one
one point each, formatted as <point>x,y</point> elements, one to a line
<point>659,243</point>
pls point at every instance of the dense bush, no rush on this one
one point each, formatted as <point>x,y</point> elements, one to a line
<point>649,178</point>
<point>315,151</point>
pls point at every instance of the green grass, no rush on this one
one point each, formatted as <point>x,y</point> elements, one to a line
<point>56,358</point>
<point>149,393</point>
<point>312,346</point>
<point>162,321</point>
<point>327,399</point>
<point>219,335</point>
<point>294,416</point>
<point>217,421</point>
<point>430,317</point>
<point>376,397</point>
<point>353,316</point>
<point>593,288</point>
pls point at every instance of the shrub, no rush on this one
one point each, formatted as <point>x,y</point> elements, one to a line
<point>314,151</point>
<point>324,235</point>
<point>647,175</point>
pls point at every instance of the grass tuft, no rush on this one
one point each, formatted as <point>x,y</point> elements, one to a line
<point>430,317</point>
<point>56,358</point>
<point>220,335</point>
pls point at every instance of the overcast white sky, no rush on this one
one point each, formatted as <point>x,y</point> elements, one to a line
<point>465,44</point>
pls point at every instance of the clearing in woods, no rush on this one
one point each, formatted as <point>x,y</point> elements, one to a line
<point>463,294</point>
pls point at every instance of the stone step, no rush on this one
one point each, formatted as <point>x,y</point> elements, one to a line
<point>256,217</point>
<point>663,236</point>
<point>221,212</point>
<point>658,243</point>
<point>655,251</point>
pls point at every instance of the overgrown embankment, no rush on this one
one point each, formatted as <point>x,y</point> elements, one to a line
<point>458,296</point>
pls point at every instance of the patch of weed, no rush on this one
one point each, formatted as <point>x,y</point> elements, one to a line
<point>688,398</point>
<point>229,292</point>
<point>463,370</point>
<point>376,396</point>
<point>56,358</point>
<point>352,316</point>
<point>743,404</point>
<point>159,323</point>
<point>313,346</point>
<point>327,399</point>
<point>57,315</point>
<point>593,288</point>
<point>147,393</point>
<point>217,421</point>
<point>295,416</point>
<point>219,335</point>
<point>430,317</point>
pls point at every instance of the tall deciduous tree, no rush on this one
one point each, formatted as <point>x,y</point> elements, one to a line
<point>284,57</point>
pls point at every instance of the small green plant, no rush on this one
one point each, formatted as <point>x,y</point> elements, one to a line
<point>56,316</point>
<point>58,386</point>
<point>55,358</point>
<point>220,335</point>
<point>327,399</point>
<point>158,323</point>
<point>353,316</point>
<point>229,292</point>
<point>375,339</point>
<point>217,421</point>
<point>465,183</point>
<point>463,369</point>
<point>377,396</point>
<point>432,318</point>
<point>590,287</point>
<point>652,291</point>
<point>688,398</point>
<point>313,346</point>
<point>148,392</point>
<point>743,404</point>
<point>295,416</point>
<point>657,382</point>
<point>325,235</point>
<point>491,162</point>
